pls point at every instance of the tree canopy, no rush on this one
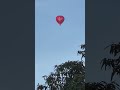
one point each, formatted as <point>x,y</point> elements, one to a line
<point>69,75</point>
<point>114,64</point>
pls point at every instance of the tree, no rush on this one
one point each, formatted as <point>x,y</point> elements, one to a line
<point>82,52</point>
<point>101,86</point>
<point>67,76</point>
<point>41,87</point>
<point>114,64</point>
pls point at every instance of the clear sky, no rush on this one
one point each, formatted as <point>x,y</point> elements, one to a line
<point>56,44</point>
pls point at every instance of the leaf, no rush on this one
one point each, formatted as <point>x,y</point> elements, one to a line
<point>113,73</point>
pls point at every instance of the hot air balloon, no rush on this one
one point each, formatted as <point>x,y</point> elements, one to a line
<point>60,19</point>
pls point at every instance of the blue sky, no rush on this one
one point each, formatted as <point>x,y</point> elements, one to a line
<point>56,44</point>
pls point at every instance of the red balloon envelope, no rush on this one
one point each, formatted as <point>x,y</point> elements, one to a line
<point>60,19</point>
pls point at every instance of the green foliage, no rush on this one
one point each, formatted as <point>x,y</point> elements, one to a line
<point>41,87</point>
<point>67,76</point>
<point>114,48</point>
<point>101,86</point>
<point>114,64</point>
<point>82,52</point>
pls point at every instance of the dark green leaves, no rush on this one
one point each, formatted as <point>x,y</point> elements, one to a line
<point>82,52</point>
<point>101,86</point>
<point>68,76</point>
<point>114,64</point>
<point>114,48</point>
